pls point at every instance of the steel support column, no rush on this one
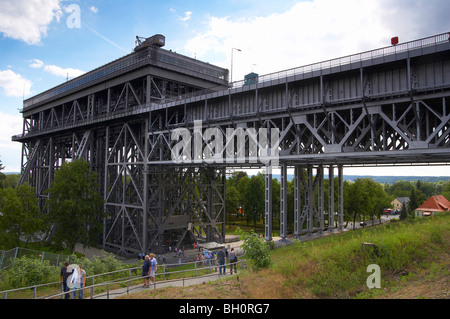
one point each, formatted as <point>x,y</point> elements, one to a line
<point>331,198</point>
<point>283,203</point>
<point>297,201</point>
<point>268,203</point>
<point>341,197</point>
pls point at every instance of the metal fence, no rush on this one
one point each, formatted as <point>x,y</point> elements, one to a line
<point>129,281</point>
<point>8,257</point>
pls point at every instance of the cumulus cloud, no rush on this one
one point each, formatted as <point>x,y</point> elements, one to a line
<point>56,70</point>
<point>28,20</point>
<point>10,154</point>
<point>94,9</point>
<point>313,31</point>
<point>13,84</point>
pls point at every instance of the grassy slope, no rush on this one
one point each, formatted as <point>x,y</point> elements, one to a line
<point>413,257</point>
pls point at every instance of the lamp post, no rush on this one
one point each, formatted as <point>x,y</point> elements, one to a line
<point>232,50</point>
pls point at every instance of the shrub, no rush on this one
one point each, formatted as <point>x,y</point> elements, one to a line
<point>28,271</point>
<point>255,248</point>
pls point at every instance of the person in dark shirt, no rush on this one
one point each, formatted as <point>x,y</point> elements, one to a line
<point>146,271</point>
<point>221,256</point>
<point>63,278</point>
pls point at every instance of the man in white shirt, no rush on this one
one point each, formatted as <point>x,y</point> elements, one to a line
<point>153,266</point>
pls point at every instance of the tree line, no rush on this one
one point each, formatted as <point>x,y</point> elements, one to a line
<point>74,210</point>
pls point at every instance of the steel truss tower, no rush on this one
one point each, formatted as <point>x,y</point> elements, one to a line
<point>160,129</point>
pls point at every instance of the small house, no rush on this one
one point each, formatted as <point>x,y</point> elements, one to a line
<point>399,202</point>
<point>433,205</point>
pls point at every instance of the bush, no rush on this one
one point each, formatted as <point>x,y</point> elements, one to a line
<point>255,248</point>
<point>29,271</point>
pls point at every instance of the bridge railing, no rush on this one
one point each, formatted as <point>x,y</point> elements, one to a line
<point>354,58</point>
<point>328,64</point>
<point>337,62</point>
<point>125,285</point>
<point>131,274</point>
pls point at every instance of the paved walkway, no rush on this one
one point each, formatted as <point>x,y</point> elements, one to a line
<point>161,284</point>
<point>189,255</point>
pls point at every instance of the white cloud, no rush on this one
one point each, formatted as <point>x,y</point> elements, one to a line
<point>10,152</point>
<point>311,31</point>
<point>13,84</point>
<point>28,20</point>
<point>36,64</point>
<point>94,9</point>
<point>56,70</point>
<point>187,16</point>
<point>63,72</point>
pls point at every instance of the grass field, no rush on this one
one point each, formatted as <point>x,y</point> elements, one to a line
<point>413,257</point>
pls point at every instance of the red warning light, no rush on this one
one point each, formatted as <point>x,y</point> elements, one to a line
<point>394,40</point>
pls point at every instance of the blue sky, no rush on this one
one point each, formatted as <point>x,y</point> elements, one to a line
<point>40,46</point>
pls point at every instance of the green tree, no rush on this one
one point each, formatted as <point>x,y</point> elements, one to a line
<point>358,198</point>
<point>446,191</point>
<point>367,198</point>
<point>2,176</point>
<point>403,213</point>
<point>429,189</point>
<point>232,200</point>
<point>416,198</point>
<point>254,200</point>
<point>255,248</point>
<point>11,180</point>
<point>400,189</point>
<point>378,199</point>
<point>75,206</point>
<point>21,216</point>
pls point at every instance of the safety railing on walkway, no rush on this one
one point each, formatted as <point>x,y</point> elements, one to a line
<point>38,291</point>
<point>124,286</point>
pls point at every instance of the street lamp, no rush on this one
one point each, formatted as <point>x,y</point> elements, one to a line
<point>231,80</point>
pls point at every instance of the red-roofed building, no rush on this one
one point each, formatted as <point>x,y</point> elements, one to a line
<point>433,205</point>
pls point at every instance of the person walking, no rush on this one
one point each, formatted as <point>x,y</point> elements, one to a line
<point>233,261</point>
<point>146,271</point>
<point>63,279</point>
<point>153,266</point>
<point>79,282</point>
<point>221,256</point>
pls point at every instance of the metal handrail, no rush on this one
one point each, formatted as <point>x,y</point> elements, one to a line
<point>284,74</point>
<point>336,62</point>
<point>92,277</point>
<point>242,265</point>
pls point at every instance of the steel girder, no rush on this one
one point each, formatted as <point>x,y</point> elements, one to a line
<point>151,206</point>
<point>368,113</point>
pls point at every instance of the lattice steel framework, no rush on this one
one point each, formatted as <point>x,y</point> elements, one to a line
<point>383,107</point>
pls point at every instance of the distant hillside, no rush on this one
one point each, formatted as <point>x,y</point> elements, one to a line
<point>386,179</point>
<point>394,179</point>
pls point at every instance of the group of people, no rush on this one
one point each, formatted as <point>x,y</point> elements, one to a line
<point>73,278</point>
<point>222,257</point>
